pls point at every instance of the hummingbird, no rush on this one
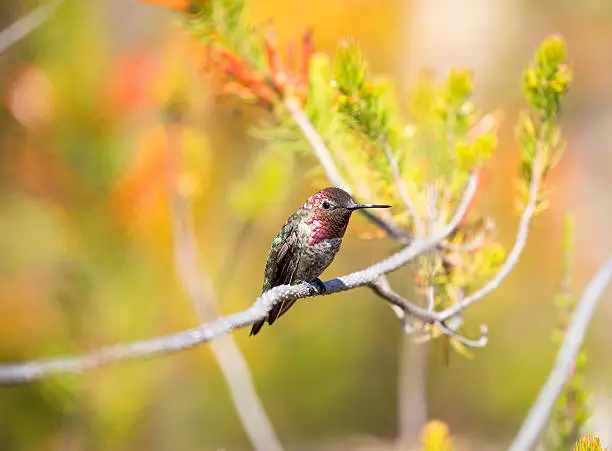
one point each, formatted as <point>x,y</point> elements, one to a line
<point>307,244</point>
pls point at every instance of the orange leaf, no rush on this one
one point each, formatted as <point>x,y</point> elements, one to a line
<point>131,79</point>
<point>179,5</point>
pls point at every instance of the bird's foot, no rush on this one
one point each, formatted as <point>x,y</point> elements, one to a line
<point>320,285</point>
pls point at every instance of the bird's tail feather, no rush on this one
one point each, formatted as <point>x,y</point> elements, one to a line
<point>257,327</point>
<point>277,311</point>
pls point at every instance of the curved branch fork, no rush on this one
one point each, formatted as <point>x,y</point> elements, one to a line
<point>404,308</point>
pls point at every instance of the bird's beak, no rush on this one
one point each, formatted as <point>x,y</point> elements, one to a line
<point>360,206</point>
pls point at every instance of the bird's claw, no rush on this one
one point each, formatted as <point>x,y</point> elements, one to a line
<point>320,286</point>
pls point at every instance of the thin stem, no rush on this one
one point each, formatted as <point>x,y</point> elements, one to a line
<point>382,288</point>
<point>419,228</point>
<point>27,24</point>
<point>431,297</point>
<point>538,415</point>
<point>481,342</point>
<point>316,143</point>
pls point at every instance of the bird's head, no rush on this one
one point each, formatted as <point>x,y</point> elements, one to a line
<point>329,212</point>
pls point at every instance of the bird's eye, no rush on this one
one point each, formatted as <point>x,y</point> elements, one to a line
<point>325,204</point>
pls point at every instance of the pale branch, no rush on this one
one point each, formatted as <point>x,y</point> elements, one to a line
<point>481,342</point>
<point>429,229</point>
<point>22,372</point>
<point>234,367</point>
<point>519,245</point>
<point>430,294</point>
<point>326,160</point>
<point>404,194</point>
<point>27,24</point>
<point>381,287</point>
<point>539,413</point>
<point>316,142</point>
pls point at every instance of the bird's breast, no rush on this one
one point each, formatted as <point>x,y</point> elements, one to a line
<point>316,257</point>
<point>326,228</point>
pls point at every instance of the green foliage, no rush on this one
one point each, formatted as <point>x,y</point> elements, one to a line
<point>474,153</point>
<point>368,108</point>
<point>547,78</point>
<point>443,117</point>
<point>545,82</point>
<point>222,22</point>
<point>320,91</point>
<point>589,443</point>
<point>571,410</point>
<point>350,69</point>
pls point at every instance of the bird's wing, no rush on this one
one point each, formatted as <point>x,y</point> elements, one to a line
<point>281,268</point>
<point>287,262</point>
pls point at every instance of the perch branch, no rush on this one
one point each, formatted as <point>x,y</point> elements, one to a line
<point>22,372</point>
<point>536,420</point>
<point>27,24</point>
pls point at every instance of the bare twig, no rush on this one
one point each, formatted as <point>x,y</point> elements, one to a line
<point>432,200</point>
<point>316,142</point>
<point>481,342</point>
<point>381,287</point>
<point>419,228</point>
<point>15,373</point>
<point>233,365</point>
<point>536,420</point>
<point>517,249</point>
<point>331,170</point>
<point>430,294</point>
<point>27,24</point>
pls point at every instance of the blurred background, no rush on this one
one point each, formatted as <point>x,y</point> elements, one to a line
<point>86,236</point>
